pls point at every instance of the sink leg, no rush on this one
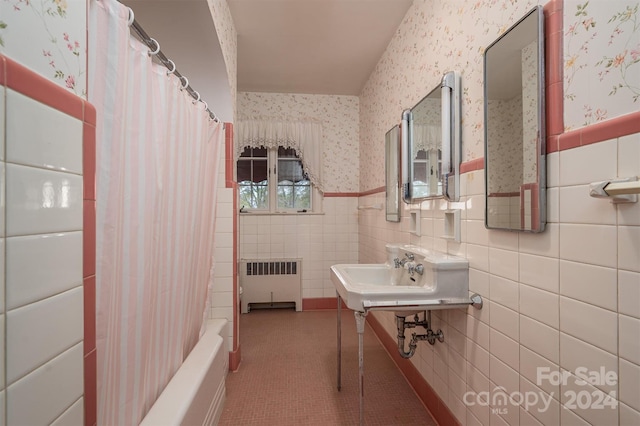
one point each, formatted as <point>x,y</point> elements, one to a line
<point>339,341</point>
<point>360,319</point>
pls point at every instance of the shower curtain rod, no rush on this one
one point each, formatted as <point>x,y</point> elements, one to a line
<point>154,47</point>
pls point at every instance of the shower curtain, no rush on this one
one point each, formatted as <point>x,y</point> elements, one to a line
<point>157,170</point>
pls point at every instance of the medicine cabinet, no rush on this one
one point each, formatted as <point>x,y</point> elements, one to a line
<point>514,126</point>
<point>430,134</point>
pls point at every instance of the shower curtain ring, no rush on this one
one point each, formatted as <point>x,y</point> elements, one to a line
<point>173,69</point>
<point>131,17</point>
<point>185,83</point>
<point>206,105</point>
<point>196,100</point>
<point>155,52</point>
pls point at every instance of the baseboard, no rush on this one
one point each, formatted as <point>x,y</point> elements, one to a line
<point>321,303</point>
<point>425,392</point>
<point>234,359</point>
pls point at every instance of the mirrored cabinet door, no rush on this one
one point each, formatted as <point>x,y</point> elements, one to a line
<point>515,170</point>
<point>392,174</point>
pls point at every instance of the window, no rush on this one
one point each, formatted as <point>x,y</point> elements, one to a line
<point>273,180</point>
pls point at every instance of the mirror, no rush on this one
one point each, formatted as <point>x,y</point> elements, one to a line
<point>431,144</point>
<point>515,170</point>
<point>392,173</point>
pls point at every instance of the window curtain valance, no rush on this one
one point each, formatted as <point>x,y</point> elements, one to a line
<point>426,137</point>
<point>303,136</point>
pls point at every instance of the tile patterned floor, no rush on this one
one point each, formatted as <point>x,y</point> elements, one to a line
<point>288,375</point>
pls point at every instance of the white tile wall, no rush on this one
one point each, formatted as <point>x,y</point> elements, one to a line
<point>41,287</point>
<point>59,266</point>
<point>73,416</point>
<point>44,394</point>
<point>54,143</point>
<point>563,299</point>
<point>28,346</point>
<point>42,201</point>
<point>321,240</point>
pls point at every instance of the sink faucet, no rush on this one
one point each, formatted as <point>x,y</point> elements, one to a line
<point>412,267</point>
<point>398,263</point>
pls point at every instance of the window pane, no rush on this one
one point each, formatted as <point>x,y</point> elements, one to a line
<point>420,172</point>
<point>259,170</point>
<point>294,196</point>
<point>259,152</point>
<point>254,196</point>
<point>244,170</point>
<point>303,197</point>
<point>253,152</point>
<point>287,153</point>
<point>290,170</point>
<point>285,197</point>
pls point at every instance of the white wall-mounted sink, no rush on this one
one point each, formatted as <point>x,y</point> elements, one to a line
<point>444,282</point>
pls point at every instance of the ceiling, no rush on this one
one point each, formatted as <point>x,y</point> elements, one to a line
<point>188,37</point>
<point>312,46</point>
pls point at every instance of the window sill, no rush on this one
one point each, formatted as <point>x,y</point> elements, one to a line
<point>254,213</point>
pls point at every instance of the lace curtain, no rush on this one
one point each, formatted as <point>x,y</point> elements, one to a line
<point>426,137</point>
<point>303,136</point>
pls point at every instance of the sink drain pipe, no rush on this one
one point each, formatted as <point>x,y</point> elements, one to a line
<point>402,324</point>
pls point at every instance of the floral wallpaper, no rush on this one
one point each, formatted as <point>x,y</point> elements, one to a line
<point>601,60</point>
<point>49,37</point>
<point>529,113</point>
<point>339,117</point>
<point>434,37</point>
<point>228,38</point>
<point>601,53</point>
<point>506,174</point>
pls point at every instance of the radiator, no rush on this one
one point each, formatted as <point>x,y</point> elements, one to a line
<point>271,281</point>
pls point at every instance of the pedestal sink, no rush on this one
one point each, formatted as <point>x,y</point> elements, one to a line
<point>411,280</point>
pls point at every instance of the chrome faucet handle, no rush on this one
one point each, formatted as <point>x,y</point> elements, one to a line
<point>397,262</point>
<point>419,268</point>
<point>410,256</point>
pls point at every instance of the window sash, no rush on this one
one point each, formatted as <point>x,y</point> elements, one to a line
<point>275,194</point>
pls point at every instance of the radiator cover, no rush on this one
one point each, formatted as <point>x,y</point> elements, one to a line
<point>271,281</point>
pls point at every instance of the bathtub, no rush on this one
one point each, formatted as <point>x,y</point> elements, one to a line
<point>195,394</point>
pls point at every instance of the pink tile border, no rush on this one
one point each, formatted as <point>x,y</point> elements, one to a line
<point>472,165</point>
<point>228,154</point>
<point>21,79</point>
<point>436,407</point>
<point>342,194</point>
<point>321,303</point>
<point>234,356</point>
<point>90,389</point>
<point>89,238</point>
<point>89,160</point>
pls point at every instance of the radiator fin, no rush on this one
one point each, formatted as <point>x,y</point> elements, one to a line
<point>272,268</point>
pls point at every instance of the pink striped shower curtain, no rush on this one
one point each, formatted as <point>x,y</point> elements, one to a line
<point>158,159</point>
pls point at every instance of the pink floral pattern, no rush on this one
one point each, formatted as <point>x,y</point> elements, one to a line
<point>228,38</point>
<point>339,117</point>
<point>602,52</point>
<point>434,37</point>
<point>49,37</point>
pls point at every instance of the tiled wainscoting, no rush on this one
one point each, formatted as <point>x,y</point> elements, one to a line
<point>321,240</point>
<point>48,290</point>
<point>565,299</point>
